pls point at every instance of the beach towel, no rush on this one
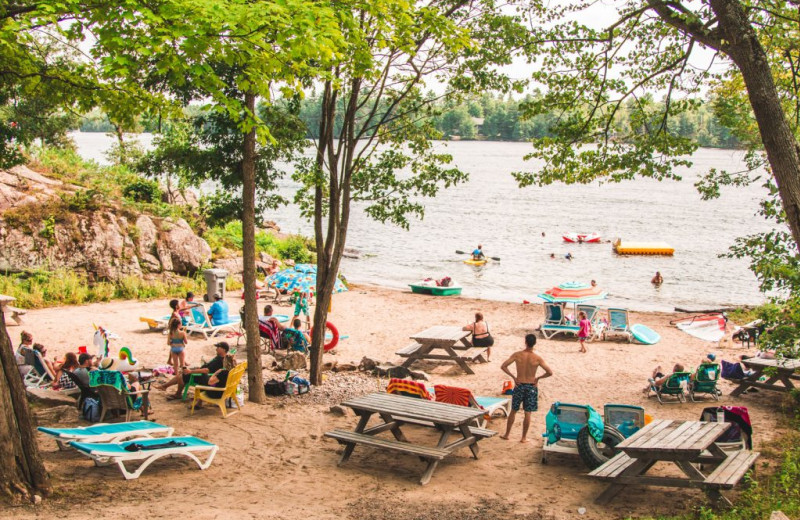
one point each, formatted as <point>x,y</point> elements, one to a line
<point>452,395</point>
<point>739,418</point>
<point>115,379</point>
<point>731,370</point>
<point>408,388</point>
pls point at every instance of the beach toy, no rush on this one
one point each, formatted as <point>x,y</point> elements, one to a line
<point>125,355</point>
<point>644,334</point>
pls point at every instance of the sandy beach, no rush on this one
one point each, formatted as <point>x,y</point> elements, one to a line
<point>274,462</point>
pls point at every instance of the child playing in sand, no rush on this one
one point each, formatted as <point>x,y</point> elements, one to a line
<point>585,330</point>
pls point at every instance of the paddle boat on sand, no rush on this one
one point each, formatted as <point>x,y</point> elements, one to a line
<point>580,238</point>
<point>443,287</point>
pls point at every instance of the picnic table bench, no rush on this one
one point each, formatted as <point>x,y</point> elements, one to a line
<point>451,339</point>
<point>779,371</point>
<point>395,411</point>
<point>685,443</point>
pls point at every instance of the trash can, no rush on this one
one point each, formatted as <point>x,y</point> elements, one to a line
<point>215,283</point>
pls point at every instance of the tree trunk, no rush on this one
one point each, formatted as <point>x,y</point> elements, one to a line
<point>742,46</point>
<point>254,377</point>
<point>22,471</point>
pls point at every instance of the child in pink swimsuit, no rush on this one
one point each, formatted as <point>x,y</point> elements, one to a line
<point>585,329</point>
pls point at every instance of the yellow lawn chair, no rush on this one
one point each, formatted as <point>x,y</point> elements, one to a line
<point>234,376</point>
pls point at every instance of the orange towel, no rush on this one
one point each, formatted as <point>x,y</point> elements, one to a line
<point>407,388</point>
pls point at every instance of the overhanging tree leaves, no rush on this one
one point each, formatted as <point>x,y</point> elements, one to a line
<point>373,147</point>
<point>592,72</point>
<point>228,53</point>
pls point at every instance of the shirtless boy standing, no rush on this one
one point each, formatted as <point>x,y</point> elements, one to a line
<point>526,390</point>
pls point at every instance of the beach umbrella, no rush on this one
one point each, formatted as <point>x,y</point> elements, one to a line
<point>573,292</point>
<point>302,277</point>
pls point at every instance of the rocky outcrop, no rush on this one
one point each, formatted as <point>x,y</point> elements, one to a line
<point>37,231</point>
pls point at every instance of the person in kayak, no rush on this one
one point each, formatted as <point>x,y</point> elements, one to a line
<point>478,253</point>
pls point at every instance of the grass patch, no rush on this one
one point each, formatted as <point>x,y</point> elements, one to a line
<point>227,239</point>
<point>40,289</point>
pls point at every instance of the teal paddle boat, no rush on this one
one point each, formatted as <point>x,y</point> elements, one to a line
<point>434,290</point>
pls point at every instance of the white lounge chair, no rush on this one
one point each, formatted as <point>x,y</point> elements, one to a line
<point>150,451</point>
<point>201,323</point>
<point>106,432</point>
<point>618,324</point>
<point>555,322</point>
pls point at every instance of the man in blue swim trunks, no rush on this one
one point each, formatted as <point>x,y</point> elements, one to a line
<point>526,384</point>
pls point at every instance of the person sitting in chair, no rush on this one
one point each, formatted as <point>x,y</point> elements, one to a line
<point>294,338</point>
<point>658,378</point>
<point>218,312</point>
<point>84,367</point>
<point>203,373</point>
<point>184,307</point>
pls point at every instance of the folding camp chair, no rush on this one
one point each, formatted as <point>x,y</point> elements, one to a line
<point>677,384</point>
<point>115,395</point>
<point>39,375</point>
<point>618,324</point>
<point>106,432</point>
<point>705,381</point>
<point>86,391</point>
<point>149,450</point>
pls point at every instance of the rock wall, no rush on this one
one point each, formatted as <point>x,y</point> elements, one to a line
<point>104,243</point>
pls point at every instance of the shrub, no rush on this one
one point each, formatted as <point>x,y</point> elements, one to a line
<point>142,190</point>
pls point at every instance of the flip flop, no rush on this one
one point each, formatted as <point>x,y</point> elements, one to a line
<point>172,397</point>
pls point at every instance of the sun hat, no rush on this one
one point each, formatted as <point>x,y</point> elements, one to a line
<point>106,363</point>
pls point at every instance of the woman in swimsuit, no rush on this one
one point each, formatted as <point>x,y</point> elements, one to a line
<point>480,334</point>
<point>176,339</point>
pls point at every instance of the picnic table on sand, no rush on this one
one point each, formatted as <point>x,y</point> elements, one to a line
<point>395,411</point>
<point>451,339</point>
<point>684,443</point>
<point>784,371</point>
<point>16,314</point>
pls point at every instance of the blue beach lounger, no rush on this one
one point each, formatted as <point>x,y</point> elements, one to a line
<point>555,322</point>
<point>106,432</point>
<point>145,452</point>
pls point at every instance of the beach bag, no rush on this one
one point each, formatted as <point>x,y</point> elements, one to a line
<point>303,385</point>
<point>274,387</point>
<point>91,409</point>
<point>508,388</point>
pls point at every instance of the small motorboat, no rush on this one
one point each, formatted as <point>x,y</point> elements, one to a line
<point>579,238</point>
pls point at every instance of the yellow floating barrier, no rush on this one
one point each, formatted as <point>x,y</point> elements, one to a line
<point>642,248</point>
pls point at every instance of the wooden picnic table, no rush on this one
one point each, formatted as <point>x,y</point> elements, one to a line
<point>5,307</point>
<point>395,411</point>
<point>784,371</point>
<point>451,339</point>
<point>684,443</point>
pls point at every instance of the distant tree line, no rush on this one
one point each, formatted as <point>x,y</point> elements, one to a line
<point>496,118</point>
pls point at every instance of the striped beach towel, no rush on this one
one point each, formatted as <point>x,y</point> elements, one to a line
<point>407,388</point>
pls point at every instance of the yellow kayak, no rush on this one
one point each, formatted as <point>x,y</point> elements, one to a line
<point>475,262</point>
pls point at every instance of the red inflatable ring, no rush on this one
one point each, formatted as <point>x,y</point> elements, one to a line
<point>334,340</point>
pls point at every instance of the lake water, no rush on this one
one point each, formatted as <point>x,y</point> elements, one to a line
<point>510,222</point>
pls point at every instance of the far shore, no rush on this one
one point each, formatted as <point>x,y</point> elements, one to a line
<point>274,461</point>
